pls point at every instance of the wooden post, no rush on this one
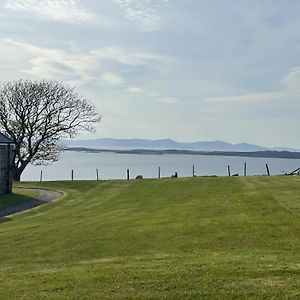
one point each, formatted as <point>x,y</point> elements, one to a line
<point>41,176</point>
<point>72,175</point>
<point>159,174</point>
<point>228,168</point>
<point>8,186</point>
<point>128,174</point>
<point>193,171</point>
<point>97,174</point>
<point>245,169</point>
<point>268,170</point>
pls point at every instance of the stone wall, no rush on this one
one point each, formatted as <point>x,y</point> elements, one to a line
<point>5,176</point>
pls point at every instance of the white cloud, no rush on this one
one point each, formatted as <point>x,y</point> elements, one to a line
<point>73,66</point>
<point>112,79</point>
<point>47,62</point>
<point>134,89</point>
<point>145,13</point>
<point>292,80</point>
<point>154,94</point>
<point>123,56</point>
<point>168,100</point>
<point>253,97</point>
<point>290,90</point>
<point>56,10</point>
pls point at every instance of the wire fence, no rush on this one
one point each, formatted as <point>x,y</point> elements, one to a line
<point>128,175</point>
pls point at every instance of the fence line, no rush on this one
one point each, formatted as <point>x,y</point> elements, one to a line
<point>175,174</point>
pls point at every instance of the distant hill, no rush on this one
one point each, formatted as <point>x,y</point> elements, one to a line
<point>262,154</point>
<point>164,144</point>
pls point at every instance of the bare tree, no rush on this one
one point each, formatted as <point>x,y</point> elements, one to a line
<point>37,114</point>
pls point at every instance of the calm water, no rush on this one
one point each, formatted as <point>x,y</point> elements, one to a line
<point>114,166</point>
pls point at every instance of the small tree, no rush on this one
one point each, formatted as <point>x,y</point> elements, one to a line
<point>36,114</point>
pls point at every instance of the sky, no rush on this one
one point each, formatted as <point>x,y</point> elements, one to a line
<point>189,70</point>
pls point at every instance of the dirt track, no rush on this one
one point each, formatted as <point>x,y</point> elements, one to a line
<point>42,197</point>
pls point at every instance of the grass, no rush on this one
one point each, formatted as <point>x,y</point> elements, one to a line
<point>17,197</point>
<point>200,238</point>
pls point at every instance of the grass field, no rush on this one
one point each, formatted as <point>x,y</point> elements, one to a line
<point>197,238</point>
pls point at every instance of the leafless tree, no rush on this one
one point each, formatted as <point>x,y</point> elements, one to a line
<point>37,114</point>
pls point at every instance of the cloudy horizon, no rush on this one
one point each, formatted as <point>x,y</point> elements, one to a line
<point>155,69</point>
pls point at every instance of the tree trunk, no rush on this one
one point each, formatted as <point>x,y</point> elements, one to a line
<point>17,175</point>
<point>17,172</point>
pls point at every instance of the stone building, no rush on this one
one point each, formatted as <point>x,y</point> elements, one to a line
<point>6,176</point>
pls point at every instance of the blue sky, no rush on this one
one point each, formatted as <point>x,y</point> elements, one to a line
<point>187,70</point>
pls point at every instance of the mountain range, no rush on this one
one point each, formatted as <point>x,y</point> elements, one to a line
<point>166,144</point>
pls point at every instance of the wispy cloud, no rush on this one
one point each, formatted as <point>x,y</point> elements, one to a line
<point>57,10</point>
<point>154,94</point>
<point>48,63</point>
<point>168,100</point>
<point>292,80</point>
<point>112,79</point>
<point>145,13</point>
<point>252,98</point>
<point>290,89</point>
<point>123,56</point>
<point>62,64</point>
<point>91,66</point>
<point>134,89</point>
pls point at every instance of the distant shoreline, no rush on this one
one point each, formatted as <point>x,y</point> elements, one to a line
<point>259,154</point>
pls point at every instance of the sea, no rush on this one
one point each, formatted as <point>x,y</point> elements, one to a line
<point>85,166</point>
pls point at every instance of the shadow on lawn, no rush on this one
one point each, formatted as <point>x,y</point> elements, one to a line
<point>4,220</point>
<point>14,203</point>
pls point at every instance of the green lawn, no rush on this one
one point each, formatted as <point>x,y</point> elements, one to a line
<point>197,238</point>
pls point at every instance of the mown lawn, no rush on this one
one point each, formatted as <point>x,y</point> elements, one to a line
<point>197,238</point>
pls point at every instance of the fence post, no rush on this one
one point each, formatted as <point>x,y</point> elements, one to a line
<point>228,169</point>
<point>128,174</point>
<point>41,176</point>
<point>245,169</point>
<point>72,175</point>
<point>97,174</point>
<point>193,170</point>
<point>159,174</point>
<point>268,170</point>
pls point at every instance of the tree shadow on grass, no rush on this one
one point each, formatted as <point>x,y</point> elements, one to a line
<point>14,203</point>
<point>4,220</point>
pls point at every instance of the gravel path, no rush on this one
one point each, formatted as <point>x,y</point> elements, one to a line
<point>42,197</point>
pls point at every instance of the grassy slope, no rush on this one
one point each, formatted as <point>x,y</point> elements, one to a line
<point>201,238</point>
